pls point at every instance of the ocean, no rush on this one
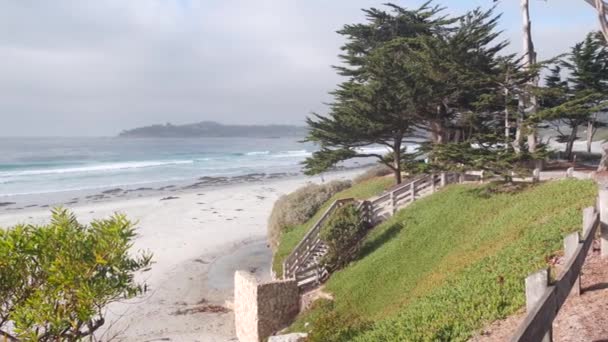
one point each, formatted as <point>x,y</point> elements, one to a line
<point>30,166</point>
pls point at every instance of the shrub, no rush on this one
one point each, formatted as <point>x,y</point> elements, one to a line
<point>457,250</point>
<point>299,206</point>
<point>56,279</point>
<point>330,325</point>
<point>374,172</point>
<point>342,233</point>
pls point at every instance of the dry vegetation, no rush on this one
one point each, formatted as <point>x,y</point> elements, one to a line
<point>299,206</point>
<point>374,172</point>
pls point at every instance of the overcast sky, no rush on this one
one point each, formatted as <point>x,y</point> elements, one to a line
<point>93,68</point>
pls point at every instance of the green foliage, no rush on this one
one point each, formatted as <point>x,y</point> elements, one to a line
<point>452,262</point>
<point>291,237</point>
<point>576,100</point>
<point>342,234</point>
<point>56,279</point>
<point>417,75</point>
<point>299,206</point>
<point>485,154</point>
<point>371,107</point>
<point>330,325</point>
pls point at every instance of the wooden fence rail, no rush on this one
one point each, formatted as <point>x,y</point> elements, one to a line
<point>373,211</point>
<point>312,238</point>
<point>543,299</point>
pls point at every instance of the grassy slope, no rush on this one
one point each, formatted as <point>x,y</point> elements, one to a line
<point>293,236</point>
<point>452,262</point>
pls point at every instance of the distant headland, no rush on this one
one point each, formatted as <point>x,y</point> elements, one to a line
<point>212,129</point>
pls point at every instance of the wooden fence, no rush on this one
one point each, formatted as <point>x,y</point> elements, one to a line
<point>311,240</point>
<point>301,263</point>
<point>373,211</point>
<point>543,298</point>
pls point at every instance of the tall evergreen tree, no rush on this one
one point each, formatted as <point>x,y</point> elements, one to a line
<point>372,107</point>
<point>580,98</point>
<point>555,95</point>
<point>457,68</point>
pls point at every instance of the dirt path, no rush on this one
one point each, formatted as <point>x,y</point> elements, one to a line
<point>582,318</point>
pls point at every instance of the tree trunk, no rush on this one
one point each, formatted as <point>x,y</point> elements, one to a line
<point>437,132</point>
<point>570,143</point>
<point>590,132</point>
<point>600,6</point>
<point>528,102</point>
<point>603,166</point>
<point>397,156</point>
<point>507,123</point>
<point>518,143</point>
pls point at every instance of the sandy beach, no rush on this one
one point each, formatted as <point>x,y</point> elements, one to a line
<point>199,237</point>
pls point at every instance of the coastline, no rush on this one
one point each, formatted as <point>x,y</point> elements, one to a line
<point>21,203</point>
<point>199,236</point>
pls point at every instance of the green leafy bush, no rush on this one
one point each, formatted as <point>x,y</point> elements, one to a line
<point>299,206</point>
<point>56,279</point>
<point>342,233</point>
<point>289,238</point>
<point>330,325</point>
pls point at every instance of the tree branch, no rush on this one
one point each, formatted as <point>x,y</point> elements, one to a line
<point>592,3</point>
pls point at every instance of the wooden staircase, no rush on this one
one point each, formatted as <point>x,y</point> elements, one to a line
<point>304,263</point>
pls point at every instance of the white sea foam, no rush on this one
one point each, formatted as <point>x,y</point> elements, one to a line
<point>293,154</point>
<point>95,168</point>
<point>384,150</point>
<point>257,153</point>
<point>375,150</point>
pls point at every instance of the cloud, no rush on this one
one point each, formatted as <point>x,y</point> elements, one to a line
<point>72,67</point>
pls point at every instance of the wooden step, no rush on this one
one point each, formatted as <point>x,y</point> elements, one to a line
<point>307,282</point>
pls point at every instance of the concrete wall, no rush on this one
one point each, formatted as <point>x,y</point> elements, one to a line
<point>263,309</point>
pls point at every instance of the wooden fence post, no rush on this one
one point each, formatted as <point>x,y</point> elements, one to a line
<point>433,189</point>
<point>393,203</point>
<point>536,285</point>
<point>570,172</point>
<point>413,190</point>
<point>444,180</point>
<point>603,208</point>
<point>588,217</point>
<point>461,178</point>
<point>571,243</point>
<point>536,175</point>
<point>482,175</point>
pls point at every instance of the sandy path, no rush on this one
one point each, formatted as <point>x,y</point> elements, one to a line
<point>198,239</point>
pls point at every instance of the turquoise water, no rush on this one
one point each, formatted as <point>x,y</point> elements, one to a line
<point>47,165</point>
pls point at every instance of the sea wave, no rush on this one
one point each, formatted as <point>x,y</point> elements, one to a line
<point>106,167</point>
<point>257,153</point>
<point>293,154</point>
<point>375,150</point>
<point>384,150</point>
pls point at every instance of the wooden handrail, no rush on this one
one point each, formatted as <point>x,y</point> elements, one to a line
<point>301,250</point>
<point>539,320</point>
<point>375,210</point>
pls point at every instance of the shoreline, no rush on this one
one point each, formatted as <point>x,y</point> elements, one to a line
<point>199,237</point>
<point>23,203</point>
